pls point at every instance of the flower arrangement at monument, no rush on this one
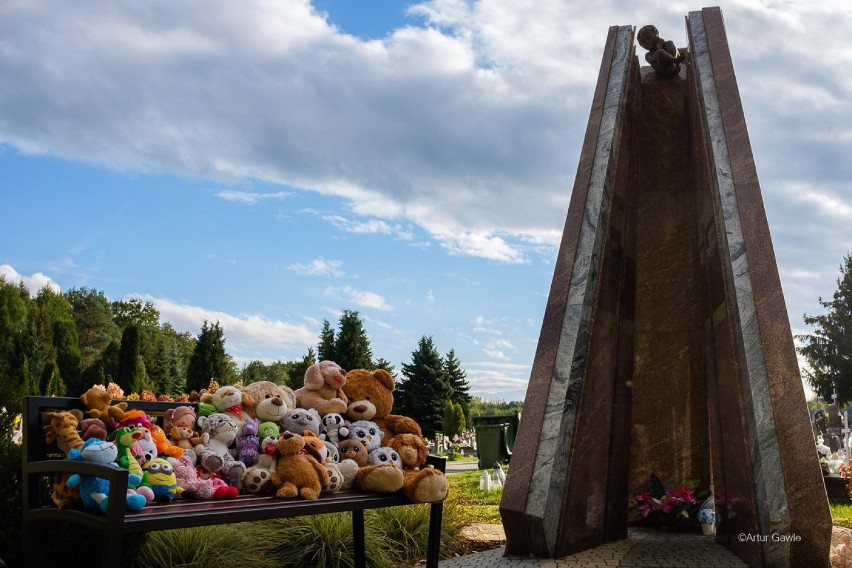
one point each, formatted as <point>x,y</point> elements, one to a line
<point>661,507</point>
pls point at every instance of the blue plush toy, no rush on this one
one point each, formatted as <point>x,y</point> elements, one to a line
<point>94,491</point>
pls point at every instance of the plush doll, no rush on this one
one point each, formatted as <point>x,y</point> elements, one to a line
<point>214,456</point>
<point>258,481</point>
<point>94,491</point>
<point>336,427</point>
<point>268,454</point>
<point>64,497</point>
<point>354,449</point>
<point>348,469</point>
<point>129,454</point>
<point>98,400</point>
<point>422,484</point>
<point>302,419</point>
<point>164,447</point>
<point>332,454</point>
<point>323,390</point>
<point>335,478</point>
<point>194,486</point>
<point>268,430</point>
<point>367,431</point>
<point>371,398</point>
<point>267,401</point>
<point>93,428</point>
<point>248,443</point>
<point>161,480</point>
<point>227,400</point>
<point>146,442</point>
<point>297,474</point>
<point>62,430</point>
<point>179,423</point>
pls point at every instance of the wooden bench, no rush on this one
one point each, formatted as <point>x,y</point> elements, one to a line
<point>43,460</point>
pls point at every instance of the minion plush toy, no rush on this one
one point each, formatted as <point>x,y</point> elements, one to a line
<point>159,475</point>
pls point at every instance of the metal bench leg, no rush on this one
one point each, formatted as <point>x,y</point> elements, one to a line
<point>111,552</point>
<point>436,513</point>
<point>358,538</point>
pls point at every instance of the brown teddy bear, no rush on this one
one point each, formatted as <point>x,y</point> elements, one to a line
<point>297,473</point>
<point>422,484</point>
<point>371,398</point>
<point>98,400</point>
<point>267,401</point>
<point>353,449</point>
<point>323,390</point>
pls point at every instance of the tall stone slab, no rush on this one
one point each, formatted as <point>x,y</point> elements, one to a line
<point>665,346</point>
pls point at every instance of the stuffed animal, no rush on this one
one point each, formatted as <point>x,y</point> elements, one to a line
<point>129,454</point>
<point>302,419</point>
<point>315,447</point>
<point>348,469</point>
<point>297,474</point>
<point>332,454</point>
<point>164,447</point>
<point>267,401</point>
<point>161,480</point>
<point>336,427</point>
<point>62,430</point>
<point>371,398</point>
<point>93,428</point>
<point>258,481</point>
<point>179,423</point>
<point>146,442</point>
<point>227,400</point>
<point>192,485</point>
<point>98,401</point>
<point>248,443</point>
<point>422,484</point>
<point>323,390</point>
<point>268,455</point>
<point>63,496</point>
<point>354,449</point>
<point>383,455</point>
<point>268,430</point>
<point>214,456</point>
<point>335,478</point>
<point>94,491</point>
<point>367,431</point>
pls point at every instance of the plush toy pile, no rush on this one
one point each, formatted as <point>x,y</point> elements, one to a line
<point>335,433</point>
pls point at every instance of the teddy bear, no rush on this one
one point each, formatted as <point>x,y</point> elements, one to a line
<point>422,484</point>
<point>354,449</point>
<point>336,427</point>
<point>164,445</point>
<point>179,424</point>
<point>267,401</point>
<point>354,459</point>
<point>257,480</point>
<point>214,455</point>
<point>297,473</point>
<point>228,400</point>
<point>301,419</point>
<point>97,401</point>
<point>323,390</point>
<point>93,428</point>
<point>371,398</point>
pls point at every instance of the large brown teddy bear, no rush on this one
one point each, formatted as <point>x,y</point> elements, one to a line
<point>422,483</point>
<point>371,398</point>
<point>98,403</point>
<point>297,473</point>
<point>267,401</point>
<point>323,390</point>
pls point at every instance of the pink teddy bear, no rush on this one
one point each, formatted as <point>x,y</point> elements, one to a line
<point>323,390</point>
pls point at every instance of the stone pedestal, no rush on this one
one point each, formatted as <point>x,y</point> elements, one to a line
<point>665,346</point>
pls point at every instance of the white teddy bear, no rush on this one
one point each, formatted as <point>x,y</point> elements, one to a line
<point>214,456</point>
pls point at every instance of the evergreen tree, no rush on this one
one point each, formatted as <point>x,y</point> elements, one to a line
<point>135,312</point>
<point>94,323</point>
<point>352,346</point>
<point>325,349</point>
<point>424,392</point>
<point>828,350</point>
<point>14,325</point>
<point>209,359</point>
<point>68,356</point>
<point>454,422</point>
<point>132,376</point>
<point>457,378</point>
<point>383,363</point>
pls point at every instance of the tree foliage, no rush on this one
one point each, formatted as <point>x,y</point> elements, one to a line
<point>424,390</point>
<point>457,379</point>
<point>209,359</point>
<point>325,347</point>
<point>352,346</point>
<point>454,421</point>
<point>828,350</point>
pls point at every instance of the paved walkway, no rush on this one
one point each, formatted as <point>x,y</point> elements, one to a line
<point>641,549</point>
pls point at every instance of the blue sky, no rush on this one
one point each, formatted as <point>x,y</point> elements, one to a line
<point>269,165</point>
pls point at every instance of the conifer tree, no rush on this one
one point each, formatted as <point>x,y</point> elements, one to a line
<point>325,349</point>
<point>132,376</point>
<point>352,346</point>
<point>209,359</point>
<point>424,391</point>
<point>67,351</point>
<point>296,369</point>
<point>828,350</point>
<point>457,378</point>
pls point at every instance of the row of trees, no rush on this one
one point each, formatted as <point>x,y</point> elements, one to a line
<point>62,343</point>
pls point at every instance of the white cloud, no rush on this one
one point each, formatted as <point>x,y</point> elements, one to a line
<point>251,197</point>
<point>33,283</point>
<point>495,380</point>
<point>242,332</point>
<point>369,227</point>
<point>318,267</point>
<point>363,298</point>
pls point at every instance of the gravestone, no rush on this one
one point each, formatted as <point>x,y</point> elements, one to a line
<point>665,346</point>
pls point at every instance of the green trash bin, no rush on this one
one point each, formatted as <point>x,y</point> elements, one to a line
<point>513,420</point>
<point>491,444</point>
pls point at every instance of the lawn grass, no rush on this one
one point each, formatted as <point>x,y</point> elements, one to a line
<point>476,505</point>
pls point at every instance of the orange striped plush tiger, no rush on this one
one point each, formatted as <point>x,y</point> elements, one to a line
<point>63,430</point>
